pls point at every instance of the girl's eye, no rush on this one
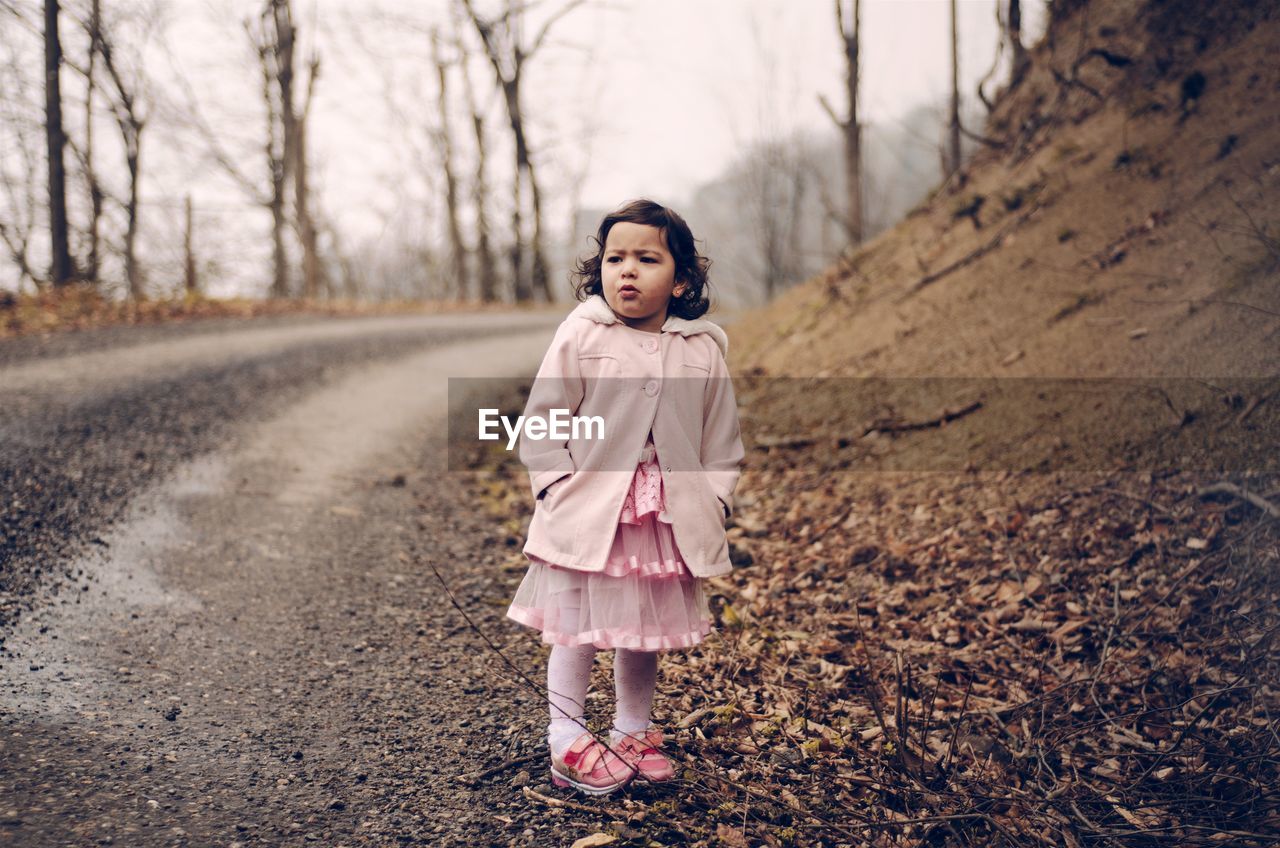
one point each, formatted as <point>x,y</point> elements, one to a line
<point>614,259</point>
<point>648,259</point>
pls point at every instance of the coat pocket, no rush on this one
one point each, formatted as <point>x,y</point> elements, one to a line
<point>594,366</point>
<point>552,492</point>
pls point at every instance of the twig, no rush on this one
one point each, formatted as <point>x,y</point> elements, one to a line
<point>1225,488</point>
<point>559,802</point>
<point>1254,402</point>
<point>884,425</point>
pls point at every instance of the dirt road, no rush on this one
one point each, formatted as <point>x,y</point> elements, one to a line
<point>218,629</point>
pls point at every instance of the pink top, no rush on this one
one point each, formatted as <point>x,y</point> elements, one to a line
<point>645,495</point>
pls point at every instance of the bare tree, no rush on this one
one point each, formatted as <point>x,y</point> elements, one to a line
<point>504,45</point>
<point>60,270</point>
<point>444,145</point>
<point>91,174</point>
<point>313,278</point>
<point>126,109</point>
<point>776,182</point>
<point>953,138</point>
<point>486,266</point>
<point>273,38</point>
<point>849,24</point>
<point>189,113</point>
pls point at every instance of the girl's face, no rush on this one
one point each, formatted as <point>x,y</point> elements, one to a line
<point>638,275</point>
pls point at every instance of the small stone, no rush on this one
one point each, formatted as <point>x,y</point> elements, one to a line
<point>521,778</point>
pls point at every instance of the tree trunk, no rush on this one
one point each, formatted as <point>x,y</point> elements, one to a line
<point>540,274</point>
<point>95,190</point>
<point>131,127</point>
<point>312,270</point>
<point>277,59</point>
<point>279,258</point>
<point>60,272</point>
<point>485,262</point>
<point>523,292</point>
<point>953,142</point>
<point>132,271</point>
<point>1021,59</point>
<point>192,282</point>
<point>850,128</point>
<point>457,250</point>
<point>279,165</point>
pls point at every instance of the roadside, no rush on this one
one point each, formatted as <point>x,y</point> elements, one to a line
<point>77,307</point>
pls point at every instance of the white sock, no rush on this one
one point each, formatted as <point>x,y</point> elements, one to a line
<point>568,675</point>
<point>635,675</point>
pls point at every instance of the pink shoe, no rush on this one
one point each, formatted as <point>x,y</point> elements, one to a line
<point>590,767</point>
<point>642,752</point>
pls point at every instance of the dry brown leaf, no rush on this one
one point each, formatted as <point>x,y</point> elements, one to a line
<point>731,836</point>
<point>594,840</point>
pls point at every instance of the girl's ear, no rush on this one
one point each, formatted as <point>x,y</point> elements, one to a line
<point>679,289</point>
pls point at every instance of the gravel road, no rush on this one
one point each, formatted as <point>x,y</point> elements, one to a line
<point>219,621</point>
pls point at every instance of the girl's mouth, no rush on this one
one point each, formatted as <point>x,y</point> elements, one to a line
<point>628,292</point>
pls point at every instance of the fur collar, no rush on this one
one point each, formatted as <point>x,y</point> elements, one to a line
<point>596,309</point>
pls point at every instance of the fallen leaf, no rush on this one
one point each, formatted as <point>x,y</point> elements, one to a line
<point>594,840</point>
<point>730,836</point>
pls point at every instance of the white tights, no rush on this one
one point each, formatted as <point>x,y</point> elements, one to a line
<point>635,673</point>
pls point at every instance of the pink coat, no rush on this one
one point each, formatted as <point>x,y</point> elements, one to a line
<point>674,382</point>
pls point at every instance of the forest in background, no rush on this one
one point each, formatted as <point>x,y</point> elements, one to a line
<point>476,165</point>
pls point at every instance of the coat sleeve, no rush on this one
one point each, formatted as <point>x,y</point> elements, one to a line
<point>722,450</point>
<point>558,385</point>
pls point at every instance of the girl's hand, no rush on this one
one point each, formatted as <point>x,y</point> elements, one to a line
<point>547,492</point>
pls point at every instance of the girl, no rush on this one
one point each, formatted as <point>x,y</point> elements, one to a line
<point>627,524</point>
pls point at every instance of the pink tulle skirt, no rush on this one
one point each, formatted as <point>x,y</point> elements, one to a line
<point>645,598</point>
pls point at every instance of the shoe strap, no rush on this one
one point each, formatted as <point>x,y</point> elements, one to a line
<point>584,754</point>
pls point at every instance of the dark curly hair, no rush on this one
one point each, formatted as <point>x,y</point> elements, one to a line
<point>691,266</point>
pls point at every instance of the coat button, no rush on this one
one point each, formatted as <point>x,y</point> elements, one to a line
<point>651,345</point>
<point>651,388</point>
<point>668,469</point>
